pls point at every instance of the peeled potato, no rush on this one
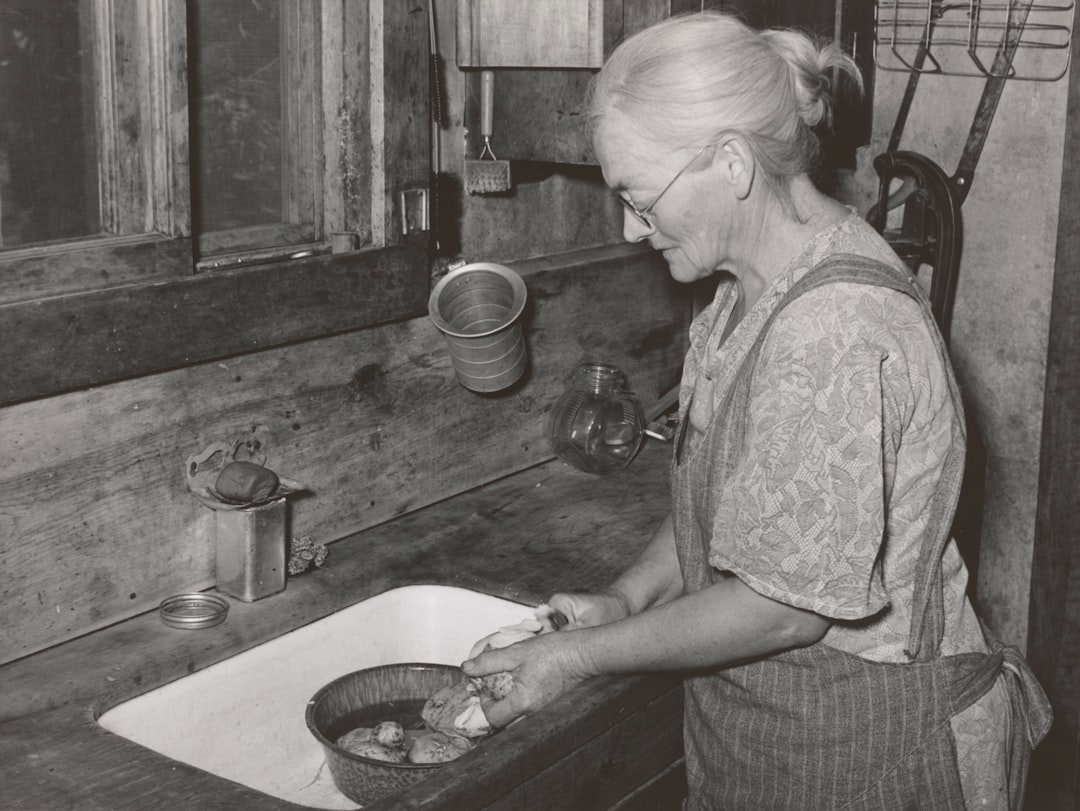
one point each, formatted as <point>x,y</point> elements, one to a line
<point>498,685</point>
<point>456,711</point>
<point>355,737</point>
<point>362,742</point>
<point>390,734</point>
<point>437,747</point>
<point>244,482</point>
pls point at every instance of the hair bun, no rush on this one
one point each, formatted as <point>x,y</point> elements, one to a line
<point>812,64</point>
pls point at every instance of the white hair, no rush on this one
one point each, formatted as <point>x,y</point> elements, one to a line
<point>685,80</point>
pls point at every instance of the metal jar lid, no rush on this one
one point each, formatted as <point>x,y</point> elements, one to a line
<point>192,611</point>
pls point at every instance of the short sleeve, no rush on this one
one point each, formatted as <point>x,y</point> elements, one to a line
<point>802,518</point>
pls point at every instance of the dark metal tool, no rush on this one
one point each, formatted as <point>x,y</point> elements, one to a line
<point>931,229</point>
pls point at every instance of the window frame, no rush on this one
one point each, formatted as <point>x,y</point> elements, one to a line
<point>144,190</point>
<point>87,312</point>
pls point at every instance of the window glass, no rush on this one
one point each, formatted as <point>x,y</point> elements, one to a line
<point>48,146</point>
<point>236,113</point>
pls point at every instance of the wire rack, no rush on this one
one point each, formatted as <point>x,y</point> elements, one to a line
<point>1008,39</point>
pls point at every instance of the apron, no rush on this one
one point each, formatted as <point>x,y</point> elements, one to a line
<point>819,728</point>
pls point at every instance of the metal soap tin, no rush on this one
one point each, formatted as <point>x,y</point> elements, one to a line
<point>251,550</point>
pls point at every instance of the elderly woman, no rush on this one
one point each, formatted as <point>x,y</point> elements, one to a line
<point>806,581</point>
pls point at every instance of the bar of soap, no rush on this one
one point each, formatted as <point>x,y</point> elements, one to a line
<point>245,482</point>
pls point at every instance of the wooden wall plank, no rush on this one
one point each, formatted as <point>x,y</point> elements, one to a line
<point>539,115</point>
<point>34,273</point>
<point>1054,609</point>
<point>540,34</point>
<point>607,769</point>
<point>635,15</point>
<point>96,523</point>
<point>63,343</point>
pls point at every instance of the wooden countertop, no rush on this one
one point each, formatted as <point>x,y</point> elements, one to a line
<point>546,528</point>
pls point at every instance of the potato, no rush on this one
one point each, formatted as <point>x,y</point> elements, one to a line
<point>390,734</point>
<point>497,686</point>
<point>456,711</point>
<point>355,737</point>
<point>245,482</point>
<point>437,747</point>
<point>362,742</point>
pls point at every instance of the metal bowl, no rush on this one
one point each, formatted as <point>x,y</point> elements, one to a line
<point>367,697</point>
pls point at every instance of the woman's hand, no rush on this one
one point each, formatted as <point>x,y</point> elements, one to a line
<point>588,610</point>
<point>543,668</point>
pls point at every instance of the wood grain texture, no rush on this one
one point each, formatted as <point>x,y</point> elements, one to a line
<point>1054,612</point>
<point>548,527</point>
<point>67,342</point>
<point>538,34</point>
<point>536,116</point>
<point>348,172</point>
<point>539,115</point>
<point>609,767</point>
<point>96,523</point>
<point>302,124</point>
<point>34,273</point>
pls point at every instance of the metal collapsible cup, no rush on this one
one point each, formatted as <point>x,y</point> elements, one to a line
<point>477,308</point>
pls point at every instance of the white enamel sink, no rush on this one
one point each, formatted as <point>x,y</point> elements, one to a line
<point>243,718</point>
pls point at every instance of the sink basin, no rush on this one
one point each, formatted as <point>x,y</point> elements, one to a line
<point>243,718</point>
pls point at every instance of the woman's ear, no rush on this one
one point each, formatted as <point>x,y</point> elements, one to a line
<point>737,165</point>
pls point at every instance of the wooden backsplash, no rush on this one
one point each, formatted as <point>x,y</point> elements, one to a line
<point>96,523</point>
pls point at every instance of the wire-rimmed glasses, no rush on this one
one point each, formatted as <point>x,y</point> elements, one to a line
<point>642,214</point>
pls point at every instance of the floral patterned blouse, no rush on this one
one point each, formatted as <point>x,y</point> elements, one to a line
<point>849,420</point>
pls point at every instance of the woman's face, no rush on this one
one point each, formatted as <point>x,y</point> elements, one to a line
<point>688,223</point>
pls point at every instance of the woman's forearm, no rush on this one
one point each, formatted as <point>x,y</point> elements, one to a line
<point>723,624</point>
<point>654,578</point>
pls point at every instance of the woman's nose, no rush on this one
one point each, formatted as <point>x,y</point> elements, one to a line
<point>634,230</point>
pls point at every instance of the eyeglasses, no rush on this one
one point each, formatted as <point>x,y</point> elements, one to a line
<point>642,214</point>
